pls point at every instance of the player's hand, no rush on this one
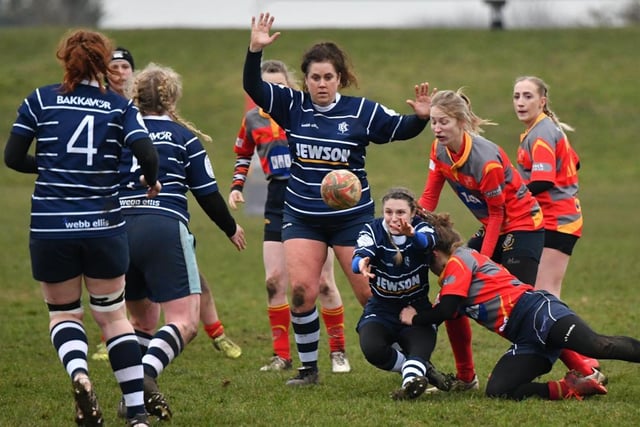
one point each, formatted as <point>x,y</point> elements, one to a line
<point>422,104</point>
<point>260,29</point>
<point>406,315</point>
<point>365,268</point>
<point>235,197</point>
<point>238,239</point>
<point>405,228</point>
<point>151,191</point>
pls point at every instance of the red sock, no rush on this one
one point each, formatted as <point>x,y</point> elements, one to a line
<point>280,319</point>
<point>459,332</point>
<point>214,330</point>
<point>334,322</point>
<point>558,390</point>
<point>578,362</point>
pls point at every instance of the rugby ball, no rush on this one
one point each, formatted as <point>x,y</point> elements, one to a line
<point>341,189</point>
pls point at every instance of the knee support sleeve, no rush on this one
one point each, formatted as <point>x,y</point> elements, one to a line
<point>106,303</point>
<point>71,308</point>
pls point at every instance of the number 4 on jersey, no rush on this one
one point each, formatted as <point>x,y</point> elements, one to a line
<point>85,125</point>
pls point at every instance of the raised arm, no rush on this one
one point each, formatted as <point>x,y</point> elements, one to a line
<point>251,78</point>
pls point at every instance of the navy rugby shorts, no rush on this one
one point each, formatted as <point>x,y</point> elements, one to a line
<point>519,244</point>
<point>531,320</point>
<point>386,312</point>
<point>273,207</point>
<point>163,259</point>
<point>332,231</point>
<point>562,242</point>
<point>57,260</point>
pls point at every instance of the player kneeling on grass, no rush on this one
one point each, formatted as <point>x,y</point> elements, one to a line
<point>537,323</point>
<point>394,252</point>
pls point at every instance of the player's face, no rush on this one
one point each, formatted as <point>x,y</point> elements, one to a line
<point>123,72</point>
<point>322,80</point>
<point>275,78</point>
<point>447,130</point>
<point>527,102</point>
<point>396,212</point>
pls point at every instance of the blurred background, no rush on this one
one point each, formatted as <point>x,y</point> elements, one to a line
<point>495,14</point>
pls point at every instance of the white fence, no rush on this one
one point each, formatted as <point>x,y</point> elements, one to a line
<point>360,13</point>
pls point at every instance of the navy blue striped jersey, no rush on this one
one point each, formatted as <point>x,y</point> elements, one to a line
<point>403,282</point>
<point>322,139</point>
<point>79,140</point>
<point>183,166</point>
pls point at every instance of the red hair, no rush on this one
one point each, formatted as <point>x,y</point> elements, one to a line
<point>85,55</point>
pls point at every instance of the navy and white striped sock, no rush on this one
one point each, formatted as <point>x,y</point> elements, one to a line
<point>165,346</point>
<point>411,369</point>
<point>306,328</point>
<point>126,362</point>
<point>70,341</point>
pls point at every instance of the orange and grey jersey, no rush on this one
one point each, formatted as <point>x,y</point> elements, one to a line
<point>545,154</point>
<point>490,292</point>
<point>260,133</point>
<point>484,179</point>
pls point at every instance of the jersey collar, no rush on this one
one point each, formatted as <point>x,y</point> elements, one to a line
<point>457,160</point>
<point>540,117</point>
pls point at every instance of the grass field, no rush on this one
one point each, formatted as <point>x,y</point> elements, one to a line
<point>594,87</point>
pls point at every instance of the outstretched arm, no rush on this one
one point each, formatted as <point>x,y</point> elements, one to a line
<point>444,310</point>
<point>215,208</point>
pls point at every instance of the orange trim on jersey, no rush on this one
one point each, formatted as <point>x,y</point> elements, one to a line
<point>540,117</point>
<point>541,143</point>
<point>491,166</point>
<point>571,228</point>
<point>459,160</point>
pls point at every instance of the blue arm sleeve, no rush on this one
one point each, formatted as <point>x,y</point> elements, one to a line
<point>420,240</point>
<point>355,264</point>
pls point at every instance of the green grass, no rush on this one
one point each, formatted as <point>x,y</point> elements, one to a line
<point>593,77</point>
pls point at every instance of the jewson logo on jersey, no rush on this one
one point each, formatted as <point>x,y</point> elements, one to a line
<point>314,152</point>
<point>84,224</point>
<point>398,285</point>
<point>83,102</point>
